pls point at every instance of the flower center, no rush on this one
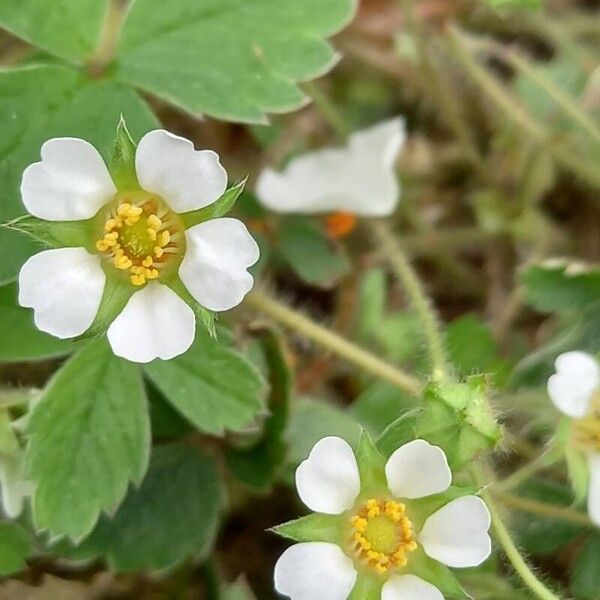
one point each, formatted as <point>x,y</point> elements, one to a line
<point>586,430</point>
<point>382,535</point>
<point>140,236</point>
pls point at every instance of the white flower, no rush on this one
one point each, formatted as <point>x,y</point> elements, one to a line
<point>575,391</point>
<point>379,532</point>
<point>139,237</point>
<point>359,178</point>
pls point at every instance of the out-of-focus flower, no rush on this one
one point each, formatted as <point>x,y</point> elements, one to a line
<point>137,236</point>
<point>382,538</point>
<point>575,391</point>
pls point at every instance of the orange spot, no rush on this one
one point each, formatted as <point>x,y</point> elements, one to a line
<point>340,224</point>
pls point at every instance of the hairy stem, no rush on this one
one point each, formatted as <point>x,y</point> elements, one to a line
<point>329,340</point>
<point>420,301</point>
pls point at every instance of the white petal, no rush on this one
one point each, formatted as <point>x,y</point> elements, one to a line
<point>214,268</point>
<point>409,587</point>
<point>328,480</point>
<point>70,183</point>
<point>571,387</point>
<point>418,469</point>
<point>594,488</point>
<point>314,571</point>
<point>187,179</point>
<point>64,287</point>
<point>155,323</point>
<point>457,534</point>
<point>359,178</point>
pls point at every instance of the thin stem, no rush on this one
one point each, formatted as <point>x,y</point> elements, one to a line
<point>541,462</point>
<point>332,342</point>
<point>419,299</point>
<point>562,513</point>
<point>109,37</point>
<point>328,109</point>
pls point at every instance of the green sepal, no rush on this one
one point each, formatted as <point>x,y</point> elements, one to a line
<point>56,234</point>
<point>371,467</point>
<point>367,587</point>
<point>207,317</point>
<point>315,527</point>
<point>117,292</point>
<point>122,161</point>
<point>437,574</point>
<point>579,474</point>
<point>215,210</point>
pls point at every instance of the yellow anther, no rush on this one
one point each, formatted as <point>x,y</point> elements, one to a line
<point>151,234</point>
<point>123,262</point>
<point>123,209</point>
<point>151,273</point>
<point>147,262</point>
<point>158,251</point>
<point>164,237</point>
<point>154,222</point>
<point>101,245</point>
<point>137,270</point>
<point>138,279</point>
<point>110,225</point>
<point>135,211</point>
<point>380,569</point>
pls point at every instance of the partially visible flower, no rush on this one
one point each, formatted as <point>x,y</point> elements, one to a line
<point>138,238</point>
<point>575,391</point>
<point>356,179</point>
<point>385,536</point>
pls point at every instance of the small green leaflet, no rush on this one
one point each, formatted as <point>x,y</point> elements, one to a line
<point>89,437</point>
<point>212,385</point>
<point>15,546</point>
<point>231,59</point>
<point>174,514</point>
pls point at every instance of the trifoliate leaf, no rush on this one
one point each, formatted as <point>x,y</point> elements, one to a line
<point>71,106</point>
<point>69,30</point>
<point>173,515</point>
<point>15,546</point>
<point>232,59</point>
<point>212,385</point>
<point>316,527</point>
<point>257,466</point>
<point>304,247</point>
<point>560,286</point>
<point>89,437</point>
<point>20,339</point>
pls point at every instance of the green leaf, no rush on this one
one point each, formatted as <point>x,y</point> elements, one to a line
<point>20,339</point>
<point>257,466</point>
<point>66,29</point>
<point>71,106</point>
<point>217,209</point>
<point>585,578</point>
<point>233,60</point>
<point>316,527</point>
<point>213,386</point>
<point>122,160</point>
<point>15,546</point>
<point>173,515</point>
<point>89,437</point>
<point>305,248</point>
<point>561,287</point>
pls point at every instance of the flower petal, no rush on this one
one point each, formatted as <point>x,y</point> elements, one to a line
<point>571,387</point>
<point>64,287</point>
<point>13,485</point>
<point>359,178</point>
<point>594,488</point>
<point>409,587</point>
<point>155,323</point>
<point>71,183</point>
<point>187,179</point>
<point>328,480</point>
<point>457,534</point>
<point>418,469</point>
<point>217,256</point>
<point>314,571</point>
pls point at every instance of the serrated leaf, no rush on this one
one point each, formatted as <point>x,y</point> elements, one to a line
<point>561,287</point>
<point>217,209</point>
<point>88,438</point>
<point>257,466</point>
<point>66,29</point>
<point>173,515</point>
<point>315,527</point>
<point>20,339</point>
<point>70,105</point>
<point>15,546</point>
<point>212,385</point>
<point>304,247</point>
<point>230,59</point>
